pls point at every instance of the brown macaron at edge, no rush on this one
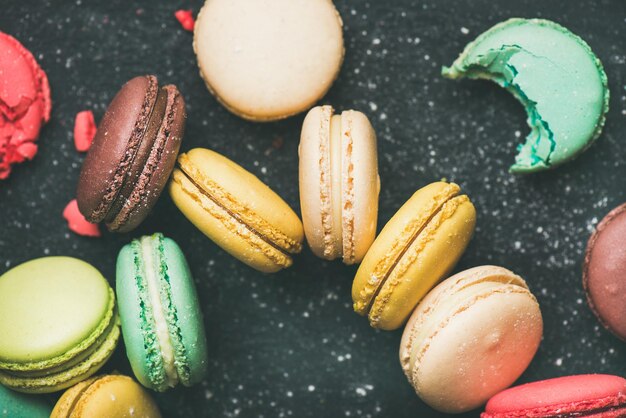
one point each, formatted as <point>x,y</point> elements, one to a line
<point>609,314</point>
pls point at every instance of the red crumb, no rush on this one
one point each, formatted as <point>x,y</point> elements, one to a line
<point>186,20</point>
<point>77,222</point>
<point>84,130</point>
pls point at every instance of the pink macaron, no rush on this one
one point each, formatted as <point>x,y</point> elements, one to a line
<point>588,395</point>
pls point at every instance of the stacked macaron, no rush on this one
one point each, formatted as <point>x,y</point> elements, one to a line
<point>59,324</point>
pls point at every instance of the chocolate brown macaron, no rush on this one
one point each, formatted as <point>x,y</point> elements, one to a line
<point>604,271</point>
<point>132,155</point>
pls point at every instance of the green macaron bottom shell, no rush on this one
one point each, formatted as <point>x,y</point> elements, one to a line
<point>19,405</point>
<point>556,77</point>
<point>155,267</point>
<point>48,382</point>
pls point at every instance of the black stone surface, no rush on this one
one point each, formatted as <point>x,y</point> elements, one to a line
<point>289,345</point>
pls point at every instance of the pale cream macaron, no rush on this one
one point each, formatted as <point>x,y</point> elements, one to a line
<point>339,183</point>
<point>470,337</point>
<point>417,248</point>
<point>236,210</point>
<point>268,59</point>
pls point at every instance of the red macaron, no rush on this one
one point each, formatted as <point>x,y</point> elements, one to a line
<point>24,103</point>
<point>589,395</point>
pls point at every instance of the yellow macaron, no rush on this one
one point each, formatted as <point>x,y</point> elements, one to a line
<point>236,210</point>
<point>106,396</point>
<point>419,245</point>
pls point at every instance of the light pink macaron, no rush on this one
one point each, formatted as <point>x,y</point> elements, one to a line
<point>470,337</point>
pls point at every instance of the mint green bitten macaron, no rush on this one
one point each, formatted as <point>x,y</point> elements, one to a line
<point>161,319</point>
<point>554,74</point>
<point>58,324</point>
<point>19,405</point>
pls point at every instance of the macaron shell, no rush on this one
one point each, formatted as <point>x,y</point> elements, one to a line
<point>268,60</point>
<point>562,395</point>
<point>394,237</point>
<point>360,187</point>
<point>444,291</point>
<point>315,183</point>
<point>189,321</point>
<point>106,396</point>
<point>119,134</point>
<point>556,76</point>
<point>49,306</point>
<point>17,405</point>
<point>477,346</point>
<point>604,272</point>
<point>138,328</point>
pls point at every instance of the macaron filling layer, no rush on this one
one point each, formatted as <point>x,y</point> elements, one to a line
<point>236,217</point>
<point>337,188</point>
<point>555,76</point>
<point>153,286</point>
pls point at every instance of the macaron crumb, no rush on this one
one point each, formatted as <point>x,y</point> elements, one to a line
<point>186,20</point>
<point>84,130</point>
<point>77,222</point>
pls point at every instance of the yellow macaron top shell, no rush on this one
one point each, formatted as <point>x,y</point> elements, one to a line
<point>416,249</point>
<point>106,396</point>
<point>236,210</point>
<point>470,337</point>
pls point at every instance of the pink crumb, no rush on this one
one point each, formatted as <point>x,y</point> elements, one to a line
<point>84,130</point>
<point>77,222</point>
<point>186,20</point>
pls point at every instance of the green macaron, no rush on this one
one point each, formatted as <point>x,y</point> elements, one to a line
<point>160,313</point>
<point>58,324</point>
<point>554,74</point>
<point>19,405</point>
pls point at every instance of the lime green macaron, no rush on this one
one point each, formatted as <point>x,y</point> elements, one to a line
<point>58,323</point>
<point>160,313</point>
<point>554,74</point>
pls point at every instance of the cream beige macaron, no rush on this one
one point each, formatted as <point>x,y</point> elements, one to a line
<point>339,183</point>
<point>268,59</point>
<point>470,337</point>
<point>417,248</point>
<point>236,210</point>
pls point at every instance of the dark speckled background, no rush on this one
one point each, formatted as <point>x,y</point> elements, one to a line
<point>289,344</point>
